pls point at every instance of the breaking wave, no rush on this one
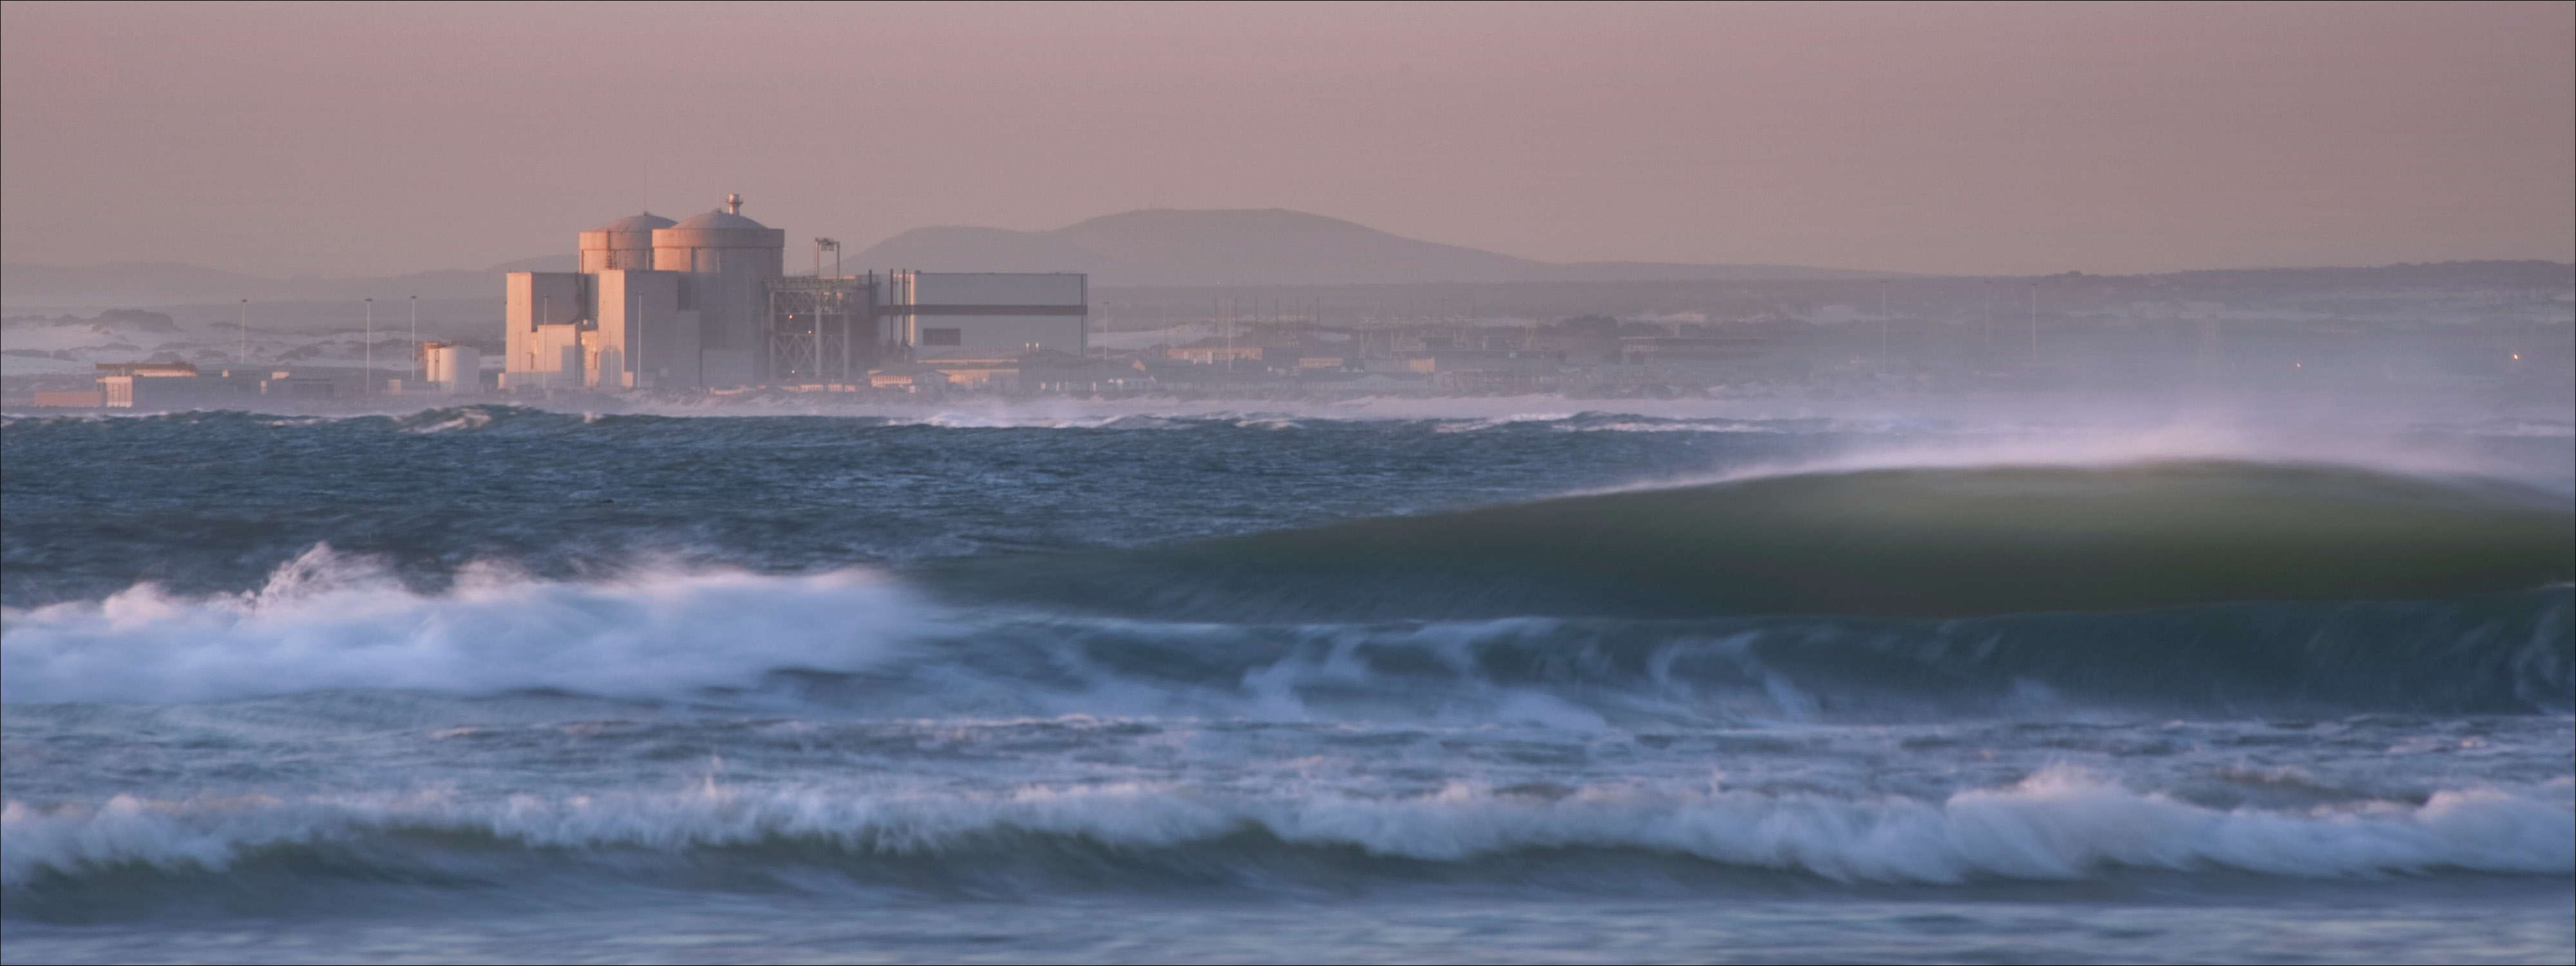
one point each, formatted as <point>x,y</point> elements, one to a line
<point>870,643</point>
<point>2057,825</point>
<point>1852,595</point>
<point>324,621</point>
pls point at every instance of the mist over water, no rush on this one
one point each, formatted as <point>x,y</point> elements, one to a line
<point>1445,678</point>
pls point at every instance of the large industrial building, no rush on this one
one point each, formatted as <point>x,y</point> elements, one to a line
<point>706,302</point>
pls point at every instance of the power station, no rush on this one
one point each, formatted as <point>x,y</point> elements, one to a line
<point>707,303</point>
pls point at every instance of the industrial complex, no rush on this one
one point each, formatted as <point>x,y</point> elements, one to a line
<point>707,303</point>
<point>702,303</point>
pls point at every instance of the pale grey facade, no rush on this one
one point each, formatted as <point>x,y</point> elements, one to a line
<point>934,312</point>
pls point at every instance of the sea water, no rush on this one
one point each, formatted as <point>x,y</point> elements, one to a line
<point>500,684</point>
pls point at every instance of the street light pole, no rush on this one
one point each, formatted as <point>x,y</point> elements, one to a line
<point>2034,323</point>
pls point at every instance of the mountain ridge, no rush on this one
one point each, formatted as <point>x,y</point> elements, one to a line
<point>32,286</point>
<point>1147,248</point>
<point>1267,246</point>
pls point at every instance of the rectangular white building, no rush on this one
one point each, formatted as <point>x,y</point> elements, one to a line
<point>615,329</point>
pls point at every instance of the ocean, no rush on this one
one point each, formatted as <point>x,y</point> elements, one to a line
<point>1466,680</point>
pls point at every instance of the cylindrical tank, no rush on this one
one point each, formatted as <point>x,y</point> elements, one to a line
<point>626,243</point>
<point>453,368</point>
<point>729,260</point>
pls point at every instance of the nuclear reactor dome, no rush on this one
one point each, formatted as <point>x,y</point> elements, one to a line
<point>626,243</point>
<point>719,220</point>
<point>699,244</point>
<point>728,260</point>
<point>644,222</point>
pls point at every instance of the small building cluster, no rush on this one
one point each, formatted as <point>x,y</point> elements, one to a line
<point>179,385</point>
<point>1299,354</point>
<point>706,303</point>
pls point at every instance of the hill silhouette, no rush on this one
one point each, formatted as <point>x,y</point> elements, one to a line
<point>1272,246</point>
<point>1153,247</point>
<point>27,286</point>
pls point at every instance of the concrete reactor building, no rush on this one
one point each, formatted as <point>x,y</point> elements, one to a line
<point>706,302</point>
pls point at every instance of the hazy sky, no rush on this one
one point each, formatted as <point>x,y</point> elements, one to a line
<point>347,139</point>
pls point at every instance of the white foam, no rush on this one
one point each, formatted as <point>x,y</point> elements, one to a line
<point>2094,446</point>
<point>324,621</point>
<point>2055,826</point>
<point>447,420</point>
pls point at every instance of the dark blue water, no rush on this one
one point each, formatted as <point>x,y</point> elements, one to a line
<point>500,684</point>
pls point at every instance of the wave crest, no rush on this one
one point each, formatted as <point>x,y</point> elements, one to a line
<point>2056,825</point>
<point>326,621</point>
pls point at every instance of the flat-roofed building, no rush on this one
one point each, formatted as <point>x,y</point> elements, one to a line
<point>287,385</point>
<point>75,398</point>
<point>544,314</point>
<point>169,391</point>
<point>935,312</point>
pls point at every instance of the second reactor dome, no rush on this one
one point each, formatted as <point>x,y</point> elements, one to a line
<point>626,243</point>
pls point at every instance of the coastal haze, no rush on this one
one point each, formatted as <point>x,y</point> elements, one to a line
<point>1953,139</point>
<point>1870,482</point>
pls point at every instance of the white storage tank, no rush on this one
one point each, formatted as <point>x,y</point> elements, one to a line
<point>453,368</point>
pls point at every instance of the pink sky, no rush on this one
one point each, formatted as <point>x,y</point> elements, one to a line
<point>1976,138</point>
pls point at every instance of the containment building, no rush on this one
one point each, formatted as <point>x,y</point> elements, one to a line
<point>706,302</point>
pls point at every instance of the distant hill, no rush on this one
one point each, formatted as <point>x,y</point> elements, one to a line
<point>26,287</point>
<point>1151,248</point>
<point>1263,247</point>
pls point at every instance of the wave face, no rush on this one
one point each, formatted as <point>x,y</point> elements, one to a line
<point>1875,591</point>
<point>576,497</point>
<point>1897,542</point>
